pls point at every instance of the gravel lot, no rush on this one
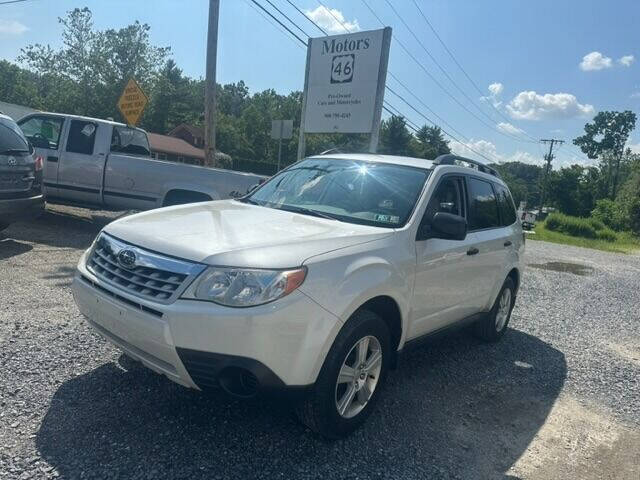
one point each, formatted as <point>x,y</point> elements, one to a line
<point>557,398</point>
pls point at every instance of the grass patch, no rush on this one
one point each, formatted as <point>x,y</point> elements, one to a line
<point>624,242</point>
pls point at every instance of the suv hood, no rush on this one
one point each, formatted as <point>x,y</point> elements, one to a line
<point>231,233</point>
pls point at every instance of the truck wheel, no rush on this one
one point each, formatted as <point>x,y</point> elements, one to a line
<point>351,378</point>
<point>3,226</point>
<point>492,328</point>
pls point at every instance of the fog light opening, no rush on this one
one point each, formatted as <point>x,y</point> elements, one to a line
<point>239,382</point>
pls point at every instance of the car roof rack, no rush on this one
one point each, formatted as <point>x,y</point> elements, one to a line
<point>450,159</point>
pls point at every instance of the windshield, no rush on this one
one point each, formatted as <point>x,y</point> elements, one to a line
<point>129,140</point>
<point>368,193</point>
<point>11,137</point>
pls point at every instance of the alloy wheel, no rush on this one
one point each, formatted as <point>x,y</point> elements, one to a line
<point>358,376</point>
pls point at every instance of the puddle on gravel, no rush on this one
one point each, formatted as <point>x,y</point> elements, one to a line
<point>565,267</point>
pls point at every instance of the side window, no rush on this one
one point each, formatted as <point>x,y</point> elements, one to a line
<point>447,198</point>
<point>82,136</point>
<point>483,208</point>
<point>43,131</point>
<point>505,205</point>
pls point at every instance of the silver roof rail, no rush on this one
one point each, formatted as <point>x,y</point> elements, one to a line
<point>331,150</point>
<point>450,159</point>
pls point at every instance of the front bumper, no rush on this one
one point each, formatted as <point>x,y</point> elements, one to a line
<point>283,344</point>
<point>15,209</point>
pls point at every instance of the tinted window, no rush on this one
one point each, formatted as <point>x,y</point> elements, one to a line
<point>505,205</point>
<point>483,208</point>
<point>43,132</point>
<point>368,193</point>
<point>447,198</point>
<point>11,138</point>
<point>129,141</point>
<point>82,136</point>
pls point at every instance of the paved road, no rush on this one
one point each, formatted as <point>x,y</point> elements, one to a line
<point>557,398</point>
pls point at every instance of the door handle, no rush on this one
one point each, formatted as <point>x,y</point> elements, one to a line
<point>52,159</point>
<point>472,251</point>
<point>507,243</point>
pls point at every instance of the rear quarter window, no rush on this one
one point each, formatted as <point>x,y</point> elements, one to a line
<point>505,205</point>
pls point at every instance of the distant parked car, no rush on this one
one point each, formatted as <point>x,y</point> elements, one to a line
<point>20,175</point>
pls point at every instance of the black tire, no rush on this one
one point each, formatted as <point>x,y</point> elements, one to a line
<point>318,410</point>
<point>3,226</point>
<point>486,328</point>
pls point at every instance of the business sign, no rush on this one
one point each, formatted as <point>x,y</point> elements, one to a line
<point>344,84</point>
<point>132,102</point>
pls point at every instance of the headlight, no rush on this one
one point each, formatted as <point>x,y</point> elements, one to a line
<point>241,287</point>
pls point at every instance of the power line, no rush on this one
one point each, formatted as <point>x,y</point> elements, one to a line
<point>305,16</point>
<point>12,1</point>
<point>284,15</point>
<point>406,88</point>
<point>442,87</point>
<point>475,85</point>
<point>279,22</point>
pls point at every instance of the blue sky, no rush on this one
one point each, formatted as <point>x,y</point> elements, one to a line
<point>551,65</point>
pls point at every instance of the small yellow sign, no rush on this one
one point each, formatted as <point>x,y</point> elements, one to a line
<point>132,102</point>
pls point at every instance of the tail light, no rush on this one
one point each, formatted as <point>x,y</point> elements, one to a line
<point>39,163</point>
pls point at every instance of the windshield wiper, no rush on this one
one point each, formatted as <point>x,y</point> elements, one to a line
<point>306,211</point>
<point>247,200</point>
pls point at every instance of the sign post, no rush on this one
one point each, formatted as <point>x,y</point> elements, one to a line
<point>344,85</point>
<point>281,129</point>
<point>132,102</point>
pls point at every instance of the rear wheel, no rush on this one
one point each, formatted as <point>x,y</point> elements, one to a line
<point>492,328</point>
<point>351,378</point>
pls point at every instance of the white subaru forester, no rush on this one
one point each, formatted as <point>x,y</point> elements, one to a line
<point>313,283</point>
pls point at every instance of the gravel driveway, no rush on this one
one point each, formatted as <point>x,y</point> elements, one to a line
<point>557,398</point>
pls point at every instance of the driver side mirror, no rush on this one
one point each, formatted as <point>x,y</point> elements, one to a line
<point>443,225</point>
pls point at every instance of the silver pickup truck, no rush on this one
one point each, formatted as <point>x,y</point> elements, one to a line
<point>103,164</point>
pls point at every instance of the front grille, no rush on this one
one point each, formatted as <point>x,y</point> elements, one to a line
<point>151,276</point>
<point>16,181</point>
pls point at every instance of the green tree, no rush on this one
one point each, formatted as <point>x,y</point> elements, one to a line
<point>431,142</point>
<point>395,138</point>
<point>606,138</point>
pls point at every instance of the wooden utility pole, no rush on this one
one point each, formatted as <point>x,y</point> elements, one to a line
<point>210,86</point>
<point>548,157</point>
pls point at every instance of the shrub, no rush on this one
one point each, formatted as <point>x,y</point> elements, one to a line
<point>612,214</point>
<point>607,235</point>
<point>574,226</point>
<point>596,224</point>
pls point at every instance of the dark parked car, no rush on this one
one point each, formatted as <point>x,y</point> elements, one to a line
<point>20,175</point>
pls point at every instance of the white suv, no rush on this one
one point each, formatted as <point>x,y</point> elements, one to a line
<point>312,283</point>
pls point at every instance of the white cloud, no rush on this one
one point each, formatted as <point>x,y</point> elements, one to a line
<point>595,61</point>
<point>495,89</point>
<point>509,128</point>
<point>332,20</point>
<point>488,149</point>
<point>635,95</point>
<point>529,105</point>
<point>635,147</point>
<point>12,27</point>
<point>626,60</point>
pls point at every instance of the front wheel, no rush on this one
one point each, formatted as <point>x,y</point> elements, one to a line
<point>351,378</point>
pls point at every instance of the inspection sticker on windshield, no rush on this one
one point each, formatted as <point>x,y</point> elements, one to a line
<point>386,218</point>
